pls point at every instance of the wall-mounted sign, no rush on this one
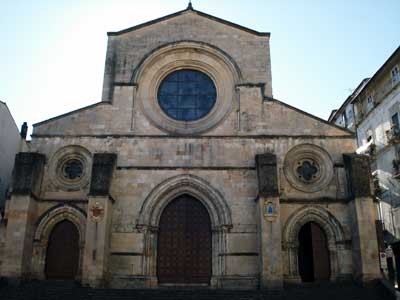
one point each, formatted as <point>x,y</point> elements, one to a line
<point>383,261</point>
<point>389,252</point>
<point>270,212</point>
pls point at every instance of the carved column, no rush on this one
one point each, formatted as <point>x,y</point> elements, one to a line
<point>219,241</point>
<point>270,236</point>
<point>97,244</point>
<point>289,261</point>
<point>363,210</point>
<point>27,178</point>
<point>149,258</point>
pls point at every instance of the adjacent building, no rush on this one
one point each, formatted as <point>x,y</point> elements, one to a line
<point>372,111</point>
<point>10,145</point>
<point>189,172</point>
<point>10,141</point>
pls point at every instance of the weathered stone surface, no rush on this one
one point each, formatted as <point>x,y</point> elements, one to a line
<point>364,239</point>
<point>102,170</point>
<point>96,254</point>
<point>267,175</point>
<point>27,172</point>
<point>359,174</point>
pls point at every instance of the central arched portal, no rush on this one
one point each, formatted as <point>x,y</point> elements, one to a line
<point>184,254</point>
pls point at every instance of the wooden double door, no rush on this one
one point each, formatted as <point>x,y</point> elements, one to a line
<point>184,253</point>
<point>313,255</point>
<point>62,255</point>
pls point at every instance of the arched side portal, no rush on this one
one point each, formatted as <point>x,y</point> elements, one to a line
<point>44,229</point>
<point>313,253</point>
<point>62,254</point>
<point>169,190</point>
<point>333,231</point>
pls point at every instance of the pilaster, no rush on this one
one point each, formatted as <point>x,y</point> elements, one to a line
<point>363,211</point>
<point>97,244</point>
<point>21,213</point>
<point>270,236</point>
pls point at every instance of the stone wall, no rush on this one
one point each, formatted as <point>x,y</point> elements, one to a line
<point>227,164</point>
<point>125,52</point>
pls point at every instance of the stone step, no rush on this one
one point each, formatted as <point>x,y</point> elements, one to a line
<point>47,290</point>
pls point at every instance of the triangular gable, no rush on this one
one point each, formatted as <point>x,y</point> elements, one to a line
<point>189,10</point>
<point>297,121</point>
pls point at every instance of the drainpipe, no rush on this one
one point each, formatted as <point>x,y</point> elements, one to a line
<point>391,207</point>
<point>380,216</point>
<point>391,213</point>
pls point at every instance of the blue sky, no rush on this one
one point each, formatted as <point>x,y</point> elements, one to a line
<point>52,51</point>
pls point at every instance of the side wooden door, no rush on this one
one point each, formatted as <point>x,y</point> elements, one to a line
<point>62,256</point>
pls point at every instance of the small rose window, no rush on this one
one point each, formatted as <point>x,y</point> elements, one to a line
<point>72,169</point>
<point>307,170</point>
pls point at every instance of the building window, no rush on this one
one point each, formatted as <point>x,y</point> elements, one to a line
<point>395,121</point>
<point>72,169</point>
<point>395,75</point>
<point>342,120</point>
<point>370,102</point>
<point>187,95</point>
<point>349,114</point>
<point>393,134</point>
<point>349,117</point>
<point>307,170</point>
<point>369,135</point>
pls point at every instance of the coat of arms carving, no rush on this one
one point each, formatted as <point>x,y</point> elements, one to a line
<point>96,212</point>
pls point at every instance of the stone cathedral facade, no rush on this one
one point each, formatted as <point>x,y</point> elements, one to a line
<point>189,172</point>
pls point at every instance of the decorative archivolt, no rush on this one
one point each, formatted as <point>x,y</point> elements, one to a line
<point>331,226</point>
<point>65,155</point>
<point>197,187</point>
<point>160,51</point>
<point>308,168</point>
<point>57,214</point>
<point>161,62</point>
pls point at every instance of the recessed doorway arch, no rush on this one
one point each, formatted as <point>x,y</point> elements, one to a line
<point>159,198</point>
<point>45,228</point>
<point>335,241</point>
<point>313,253</point>
<point>62,254</point>
<point>184,254</point>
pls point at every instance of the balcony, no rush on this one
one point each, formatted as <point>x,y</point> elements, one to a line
<point>377,187</point>
<point>393,135</point>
